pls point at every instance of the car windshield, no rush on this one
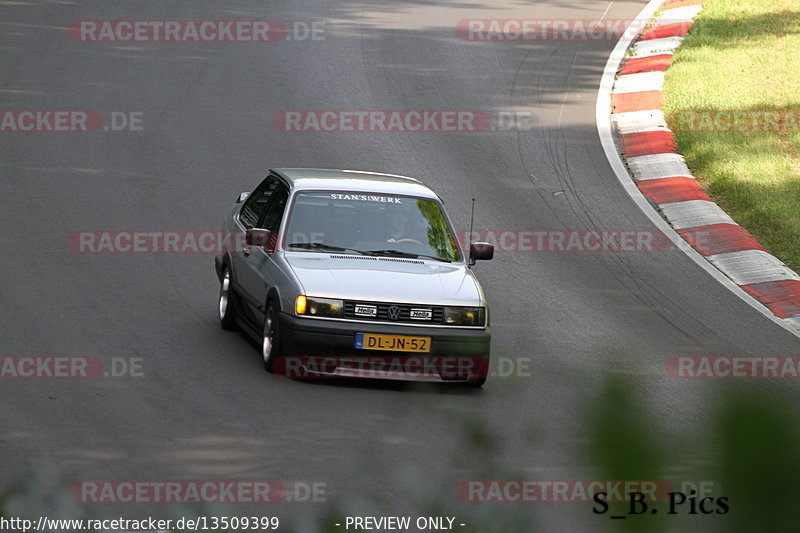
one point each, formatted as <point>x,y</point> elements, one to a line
<point>370,224</point>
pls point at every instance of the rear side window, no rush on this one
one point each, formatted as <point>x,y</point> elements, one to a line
<point>255,205</point>
<point>272,220</point>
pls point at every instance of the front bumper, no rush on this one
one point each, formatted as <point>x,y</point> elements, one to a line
<point>327,347</point>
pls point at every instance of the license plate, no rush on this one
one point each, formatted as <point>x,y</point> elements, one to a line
<point>394,343</point>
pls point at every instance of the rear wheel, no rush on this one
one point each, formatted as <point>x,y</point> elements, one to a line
<point>227,307</point>
<point>270,339</point>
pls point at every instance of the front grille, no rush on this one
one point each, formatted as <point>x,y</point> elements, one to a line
<point>404,315</point>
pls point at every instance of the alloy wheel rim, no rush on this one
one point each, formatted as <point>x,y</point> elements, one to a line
<point>266,343</point>
<point>224,294</point>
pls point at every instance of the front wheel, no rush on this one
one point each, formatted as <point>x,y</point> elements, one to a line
<point>226,306</point>
<point>270,339</point>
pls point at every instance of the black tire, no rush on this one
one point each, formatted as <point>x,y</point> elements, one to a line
<point>483,372</point>
<point>475,383</point>
<point>271,348</point>
<point>227,302</point>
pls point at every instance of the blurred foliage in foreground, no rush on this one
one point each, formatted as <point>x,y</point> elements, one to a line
<point>748,444</point>
<point>750,449</point>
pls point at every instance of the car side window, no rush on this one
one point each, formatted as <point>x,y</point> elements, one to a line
<point>274,214</point>
<point>255,205</point>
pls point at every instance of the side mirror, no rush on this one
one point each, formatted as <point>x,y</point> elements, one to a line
<point>480,251</point>
<point>263,238</point>
<point>242,197</point>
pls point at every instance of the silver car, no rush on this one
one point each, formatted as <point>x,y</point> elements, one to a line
<point>344,273</point>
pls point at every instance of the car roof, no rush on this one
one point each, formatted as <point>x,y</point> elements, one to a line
<point>353,180</point>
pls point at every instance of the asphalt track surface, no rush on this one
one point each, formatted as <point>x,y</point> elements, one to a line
<point>204,409</point>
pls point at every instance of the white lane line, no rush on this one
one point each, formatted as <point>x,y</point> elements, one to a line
<point>658,166</point>
<point>752,266</point>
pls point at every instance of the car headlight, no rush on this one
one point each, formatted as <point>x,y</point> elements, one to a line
<point>465,316</point>
<point>325,307</point>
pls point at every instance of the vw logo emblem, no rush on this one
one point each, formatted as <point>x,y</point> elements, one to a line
<point>393,312</point>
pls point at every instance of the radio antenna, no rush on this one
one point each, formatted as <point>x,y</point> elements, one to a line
<point>471,218</point>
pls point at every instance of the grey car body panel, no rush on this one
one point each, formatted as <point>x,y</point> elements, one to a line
<point>385,279</point>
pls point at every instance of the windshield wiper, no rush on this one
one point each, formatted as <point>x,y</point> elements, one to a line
<point>398,253</point>
<point>334,248</point>
<point>322,245</point>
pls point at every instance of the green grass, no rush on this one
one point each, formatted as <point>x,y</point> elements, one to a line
<point>743,56</point>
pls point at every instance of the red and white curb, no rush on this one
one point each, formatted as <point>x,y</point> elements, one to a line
<point>631,98</point>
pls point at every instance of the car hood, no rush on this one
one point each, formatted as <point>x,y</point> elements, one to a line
<point>385,279</point>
